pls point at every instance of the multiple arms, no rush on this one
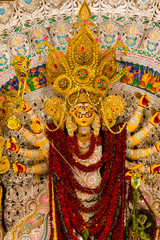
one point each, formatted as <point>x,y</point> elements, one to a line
<point>37,139</point>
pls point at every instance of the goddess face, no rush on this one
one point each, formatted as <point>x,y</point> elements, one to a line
<point>83,114</point>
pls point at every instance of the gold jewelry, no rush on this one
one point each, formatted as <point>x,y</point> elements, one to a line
<point>84,67</point>
<point>96,125</point>
<point>71,126</point>
<point>14,123</point>
<point>56,108</point>
<point>111,108</point>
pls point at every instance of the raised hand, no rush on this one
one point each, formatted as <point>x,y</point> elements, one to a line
<point>36,127</point>
<point>12,146</point>
<point>144,100</point>
<point>155,168</point>
<point>19,168</point>
<point>26,107</point>
<point>155,119</point>
<point>158,146</point>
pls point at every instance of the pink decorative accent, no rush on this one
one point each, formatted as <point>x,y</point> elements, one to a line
<point>68,38</point>
<point>56,56</point>
<point>45,38</point>
<point>119,39</point>
<point>2,99</point>
<point>128,68</point>
<point>84,22</point>
<point>108,55</point>
<point>97,39</point>
<point>11,87</point>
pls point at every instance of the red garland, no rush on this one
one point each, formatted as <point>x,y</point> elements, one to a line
<point>73,144</point>
<point>112,181</point>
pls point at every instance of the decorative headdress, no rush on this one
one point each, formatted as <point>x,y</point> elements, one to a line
<point>83,67</point>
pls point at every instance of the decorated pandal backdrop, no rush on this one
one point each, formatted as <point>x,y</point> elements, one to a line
<point>64,64</point>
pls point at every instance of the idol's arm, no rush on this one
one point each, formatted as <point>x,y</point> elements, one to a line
<point>138,137</point>
<point>135,120</point>
<point>38,169</point>
<point>32,154</point>
<point>136,154</point>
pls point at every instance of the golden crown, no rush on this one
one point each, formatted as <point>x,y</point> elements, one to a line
<point>83,66</point>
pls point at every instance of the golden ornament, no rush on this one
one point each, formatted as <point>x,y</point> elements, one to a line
<point>14,123</point>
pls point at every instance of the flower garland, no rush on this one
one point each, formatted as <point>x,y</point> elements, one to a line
<point>109,207</point>
<point>73,145</point>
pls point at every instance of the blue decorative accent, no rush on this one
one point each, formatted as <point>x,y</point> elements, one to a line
<point>42,81</point>
<point>28,1</point>
<point>4,61</point>
<point>45,228</point>
<point>152,46</point>
<point>21,50</point>
<point>63,39</point>
<point>109,39</point>
<point>131,41</point>
<point>2,11</point>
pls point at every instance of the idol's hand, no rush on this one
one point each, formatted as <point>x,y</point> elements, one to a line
<point>144,100</point>
<point>26,107</point>
<point>12,146</point>
<point>155,168</point>
<point>36,127</point>
<point>19,168</point>
<point>155,119</point>
<point>129,175</point>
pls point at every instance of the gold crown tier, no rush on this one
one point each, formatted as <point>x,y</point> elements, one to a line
<point>83,67</point>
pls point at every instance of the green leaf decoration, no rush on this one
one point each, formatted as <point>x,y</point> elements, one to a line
<point>4,35</point>
<point>146,22</point>
<point>77,17</point>
<point>118,19</point>
<point>67,18</point>
<point>105,17</point>
<point>52,20</point>
<point>93,16</point>
<point>26,25</point>
<point>17,29</point>
<point>40,22</point>
<point>85,234</point>
<point>131,19</point>
<point>156,24</point>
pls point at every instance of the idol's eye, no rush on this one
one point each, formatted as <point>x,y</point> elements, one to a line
<point>78,114</point>
<point>88,114</point>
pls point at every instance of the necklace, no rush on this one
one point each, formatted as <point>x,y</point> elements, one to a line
<point>83,145</point>
<point>73,143</point>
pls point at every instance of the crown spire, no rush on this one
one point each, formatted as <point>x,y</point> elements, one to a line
<point>84,13</point>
